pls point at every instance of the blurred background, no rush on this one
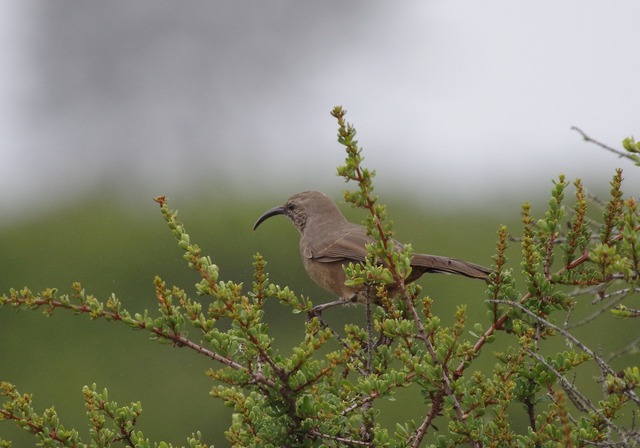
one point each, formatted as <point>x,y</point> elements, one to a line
<point>463,108</point>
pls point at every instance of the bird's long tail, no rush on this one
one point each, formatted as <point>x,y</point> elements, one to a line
<point>445,265</point>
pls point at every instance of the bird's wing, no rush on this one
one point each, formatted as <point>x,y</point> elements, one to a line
<point>347,245</point>
<point>445,265</point>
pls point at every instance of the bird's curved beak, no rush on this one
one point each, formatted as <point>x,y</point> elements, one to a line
<point>279,210</point>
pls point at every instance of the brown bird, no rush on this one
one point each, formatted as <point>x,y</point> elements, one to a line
<point>328,242</point>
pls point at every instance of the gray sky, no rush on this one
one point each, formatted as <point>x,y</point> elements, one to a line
<point>463,99</point>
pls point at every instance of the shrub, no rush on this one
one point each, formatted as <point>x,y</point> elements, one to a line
<point>327,390</point>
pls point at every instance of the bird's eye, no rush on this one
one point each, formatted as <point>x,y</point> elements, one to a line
<point>290,207</point>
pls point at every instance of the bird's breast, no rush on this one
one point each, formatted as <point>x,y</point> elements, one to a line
<point>328,275</point>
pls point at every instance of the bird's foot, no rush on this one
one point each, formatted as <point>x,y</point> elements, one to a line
<point>317,310</point>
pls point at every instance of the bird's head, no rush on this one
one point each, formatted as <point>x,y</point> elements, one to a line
<point>303,208</point>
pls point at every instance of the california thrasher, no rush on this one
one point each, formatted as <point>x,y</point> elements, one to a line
<point>328,242</point>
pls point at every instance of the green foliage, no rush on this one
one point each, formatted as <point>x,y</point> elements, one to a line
<point>633,149</point>
<point>108,423</point>
<point>328,389</point>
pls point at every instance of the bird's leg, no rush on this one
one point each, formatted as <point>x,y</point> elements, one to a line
<point>317,310</point>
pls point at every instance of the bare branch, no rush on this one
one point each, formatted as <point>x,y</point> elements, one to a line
<point>586,138</point>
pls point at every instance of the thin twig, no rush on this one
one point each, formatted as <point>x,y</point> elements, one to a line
<point>601,362</point>
<point>622,294</point>
<point>178,339</point>
<point>339,439</point>
<point>583,401</point>
<point>600,144</point>
<point>629,348</point>
<point>369,323</point>
<point>341,341</point>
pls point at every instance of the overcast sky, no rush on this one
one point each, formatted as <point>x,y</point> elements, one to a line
<point>463,99</point>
